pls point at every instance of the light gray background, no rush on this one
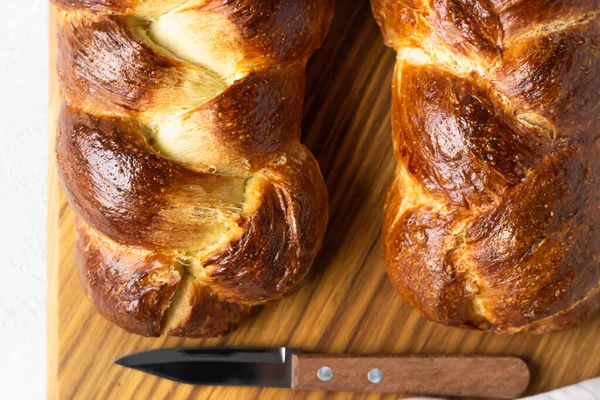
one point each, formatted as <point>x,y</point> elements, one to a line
<point>23,105</point>
<point>23,160</point>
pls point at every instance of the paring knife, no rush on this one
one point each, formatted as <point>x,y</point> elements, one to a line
<point>479,376</point>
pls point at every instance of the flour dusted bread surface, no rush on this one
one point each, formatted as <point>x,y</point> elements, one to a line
<point>179,148</point>
<point>493,218</point>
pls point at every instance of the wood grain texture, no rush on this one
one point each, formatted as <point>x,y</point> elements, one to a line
<point>347,305</point>
<point>488,377</point>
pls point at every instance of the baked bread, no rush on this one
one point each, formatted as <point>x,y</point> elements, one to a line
<point>179,148</point>
<point>493,218</point>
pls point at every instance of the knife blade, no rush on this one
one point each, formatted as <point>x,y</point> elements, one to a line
<point>479,376</point>
<point>221,366</point>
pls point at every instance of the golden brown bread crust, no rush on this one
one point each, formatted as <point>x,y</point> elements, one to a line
<point>493,216</point>
<point>133,288</point>
<point>179,148</point>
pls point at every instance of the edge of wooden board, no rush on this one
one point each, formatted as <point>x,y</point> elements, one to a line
<point>52,223</point>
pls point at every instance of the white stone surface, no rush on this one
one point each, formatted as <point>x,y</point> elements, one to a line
<point>23,105</point>
<point>23,120</point>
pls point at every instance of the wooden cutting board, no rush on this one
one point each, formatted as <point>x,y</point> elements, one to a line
<point>347,305</point>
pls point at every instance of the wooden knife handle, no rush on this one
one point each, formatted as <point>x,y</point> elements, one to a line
<point>498,377</point>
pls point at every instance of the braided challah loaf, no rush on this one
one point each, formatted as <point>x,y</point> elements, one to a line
<point>493,218</point>
<point>179,148</point>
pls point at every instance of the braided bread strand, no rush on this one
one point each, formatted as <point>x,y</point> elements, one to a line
<point>492,220</point>
<point>179,148</point>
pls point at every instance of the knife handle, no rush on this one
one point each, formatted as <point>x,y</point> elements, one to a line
<point>476,376</point>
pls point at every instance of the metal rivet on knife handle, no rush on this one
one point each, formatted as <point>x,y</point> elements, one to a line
<point>325,373</point>
<point>375,375</point>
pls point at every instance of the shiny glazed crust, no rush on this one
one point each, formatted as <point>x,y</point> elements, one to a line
<point>179,148</point>
<point>493,218</point>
